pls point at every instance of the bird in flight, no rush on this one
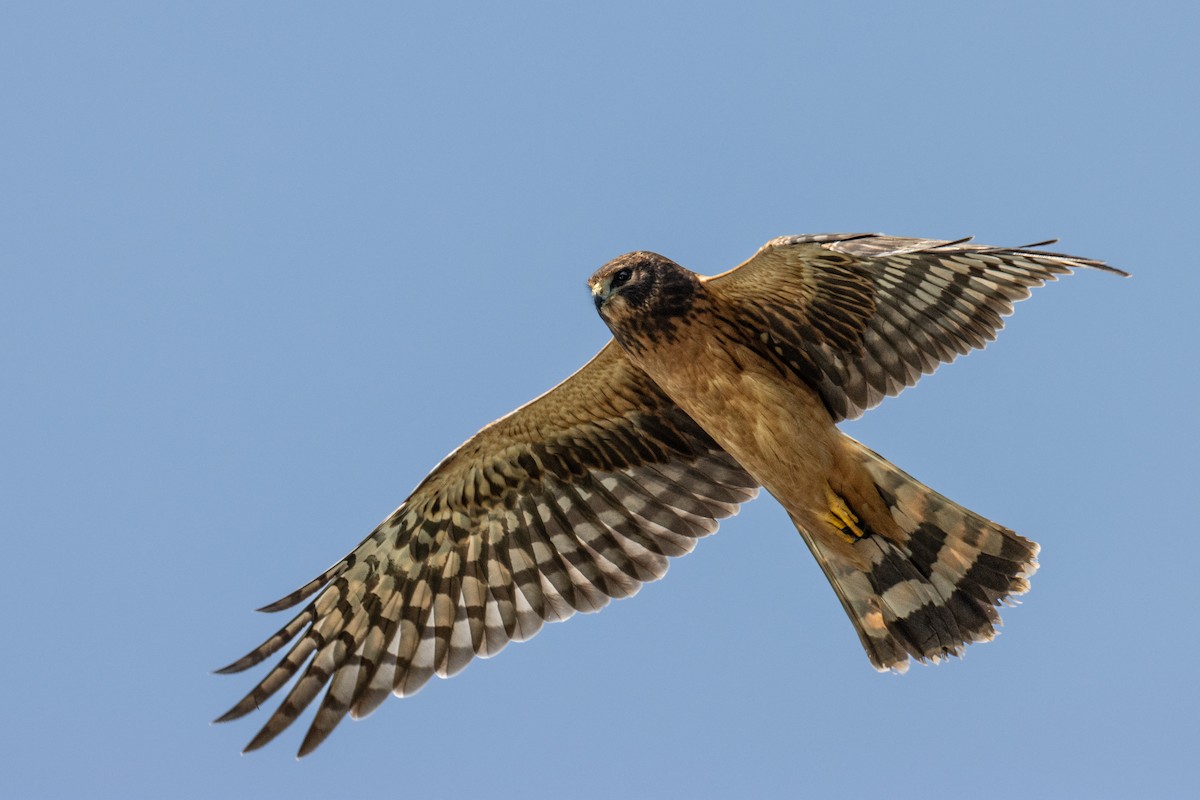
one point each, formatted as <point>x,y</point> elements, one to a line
<point>711,388</point>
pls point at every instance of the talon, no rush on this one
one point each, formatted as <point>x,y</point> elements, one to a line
<point>841,517</point>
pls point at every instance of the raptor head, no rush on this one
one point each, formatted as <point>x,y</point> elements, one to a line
<point>643,293</point>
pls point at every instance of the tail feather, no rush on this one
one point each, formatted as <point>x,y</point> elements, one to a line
<point>932,580</point>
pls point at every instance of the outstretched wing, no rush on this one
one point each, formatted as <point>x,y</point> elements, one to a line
<point>572,499</point>
<point>862,316</point>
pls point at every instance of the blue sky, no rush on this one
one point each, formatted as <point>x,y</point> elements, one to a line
<point>264,264</point>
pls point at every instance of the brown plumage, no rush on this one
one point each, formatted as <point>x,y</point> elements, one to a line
<point>713,387</point>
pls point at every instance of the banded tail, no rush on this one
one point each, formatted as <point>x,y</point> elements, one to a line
<point>933,581</point>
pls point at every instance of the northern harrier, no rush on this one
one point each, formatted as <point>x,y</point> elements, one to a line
<point>712,388</point>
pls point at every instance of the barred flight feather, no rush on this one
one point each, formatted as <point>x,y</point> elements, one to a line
<point>935,586</point>
<point>860,317</point>
<point>586,493</point>
<point>469,563</point>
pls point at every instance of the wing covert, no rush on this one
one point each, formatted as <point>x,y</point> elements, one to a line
<point>578,497</point>
<point>860,317</point>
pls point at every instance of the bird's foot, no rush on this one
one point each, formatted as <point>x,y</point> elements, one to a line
<point>842,518</point>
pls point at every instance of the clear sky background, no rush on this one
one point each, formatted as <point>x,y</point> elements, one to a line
<point>263,264</point>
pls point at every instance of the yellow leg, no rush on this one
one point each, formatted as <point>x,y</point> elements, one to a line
<point>841,517</point>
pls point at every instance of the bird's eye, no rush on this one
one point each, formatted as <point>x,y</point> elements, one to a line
<point>621,277</point>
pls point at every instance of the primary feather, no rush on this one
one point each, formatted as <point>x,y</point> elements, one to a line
<point>712,387</point>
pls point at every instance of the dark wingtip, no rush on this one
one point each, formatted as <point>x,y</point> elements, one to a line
<point>1100,265</point>
<point>242,664</point>
<point>1093,264</point>
<point>1076,260</point>
<point>281,604</point>
<point>230,715</point>
<point>1035,245</point>
<point>260,740</point>
<point>312,740</point>
<point>953,243</point>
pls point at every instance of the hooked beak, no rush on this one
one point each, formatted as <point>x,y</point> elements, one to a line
<point>600,292</point>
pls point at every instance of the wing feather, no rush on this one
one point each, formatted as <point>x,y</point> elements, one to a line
<point>572,500</point>
<point>860,317</point>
